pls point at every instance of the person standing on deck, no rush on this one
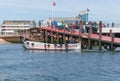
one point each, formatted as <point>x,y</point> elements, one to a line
<point>84,29</point>
<point>48,23</point>
<point>66,27</point>
<point>39,23</point>
<point>107,24</point>
<point>112,24</point>
<point>63,25</point>
<point>76,23</point>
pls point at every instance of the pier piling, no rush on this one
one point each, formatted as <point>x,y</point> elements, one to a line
<point>57,38</point>
<point>64,37</point>
<point>71,39</point>
<point>46,36</point>
<point>112,40</point>
<point>89,40</point>
<point>51,36</point>
<point>100,35</point>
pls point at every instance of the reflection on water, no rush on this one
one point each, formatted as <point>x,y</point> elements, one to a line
<point>18,64</point>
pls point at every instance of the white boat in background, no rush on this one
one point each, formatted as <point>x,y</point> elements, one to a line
<point>48,46</point>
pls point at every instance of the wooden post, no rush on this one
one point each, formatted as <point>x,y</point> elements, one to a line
<point>71,39</point>
<point>100,35</point>
<point>46,36</point>
<point>51,37</point>
<point>30,32</point>
<point>89,36</point>
<point>64,37</point>
<point>68,39</point>
<point>112,40</point>
<point>41,32</point>
<point>37,37</point>
<point>46,39</point>
<point>80,32</point>
<point>57,38</point>
<point>80,28</point>
<point>61,39</point>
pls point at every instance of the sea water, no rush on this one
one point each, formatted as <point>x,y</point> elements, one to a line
<point>19,64</point>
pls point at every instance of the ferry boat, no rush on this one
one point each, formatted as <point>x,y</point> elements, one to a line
<point>32,45</point>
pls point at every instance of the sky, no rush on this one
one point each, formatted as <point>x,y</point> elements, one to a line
<point>99,10</point>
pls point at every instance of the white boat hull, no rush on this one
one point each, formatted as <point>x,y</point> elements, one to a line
<point>47,46</point>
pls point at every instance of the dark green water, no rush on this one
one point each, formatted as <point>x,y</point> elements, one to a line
<point>18,64</point>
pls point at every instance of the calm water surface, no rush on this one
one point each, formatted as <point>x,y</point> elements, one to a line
<point>18,64</point>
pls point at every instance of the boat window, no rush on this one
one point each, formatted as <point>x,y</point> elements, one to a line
<point>27,43</point>
<point>48,45</point>
<point>32,44</point>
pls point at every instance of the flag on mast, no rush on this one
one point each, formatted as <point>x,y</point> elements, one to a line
<point>53,4</point>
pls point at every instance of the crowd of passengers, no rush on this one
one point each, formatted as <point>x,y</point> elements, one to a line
<point>75,25</point>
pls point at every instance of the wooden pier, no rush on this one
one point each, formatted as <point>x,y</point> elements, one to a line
<point>55,35</point>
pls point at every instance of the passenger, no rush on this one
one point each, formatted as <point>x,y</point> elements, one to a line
<point>48,23</point>
<point>73,41</point>
<point>107,24</point>
<point>63,25</point>
<point>66,27</point>
<point>39,23</point>
<point>59,25</point>
<point>112,24</point>
<point>76,23</point>
<point>52,24</point>
<point>84,29</point>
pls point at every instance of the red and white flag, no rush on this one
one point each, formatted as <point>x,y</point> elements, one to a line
<point>53,4</point>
